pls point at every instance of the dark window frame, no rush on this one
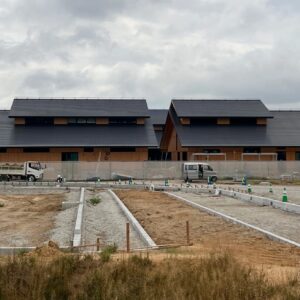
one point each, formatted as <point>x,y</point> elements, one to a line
<point>251,150</point>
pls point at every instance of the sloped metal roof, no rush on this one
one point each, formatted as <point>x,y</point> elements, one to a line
<point>75,136</point>
<point>220,108</point>
<point>79,108</point>
<point>281,131</point>
<point>158,116</point>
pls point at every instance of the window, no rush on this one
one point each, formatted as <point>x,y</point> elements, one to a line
<point>88,149</point>
<point>35,165</point>
<point>39,121</point>
<point>192,167</point>
<point>35,150</point>
<point>69,156</point>
<point>297,155</point>
<point>203,121</point>
<point>122,120</point>
<point>251,150</point>
<point>122,149</point>
<point>211,151</point>
<point>89,121</point>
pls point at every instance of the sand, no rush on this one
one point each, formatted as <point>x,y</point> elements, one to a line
<point>26,220</point>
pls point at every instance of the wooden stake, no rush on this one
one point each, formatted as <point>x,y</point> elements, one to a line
<point>127,238</point>
<point>98,244</point>
<point>187,232</point>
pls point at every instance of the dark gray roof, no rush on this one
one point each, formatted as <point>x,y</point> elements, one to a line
<point>158,116</point>
<point>220,108</point>
<point>73,136</point>
<point>159,135</point>
<point>79,108</point>
<point>281,131</point>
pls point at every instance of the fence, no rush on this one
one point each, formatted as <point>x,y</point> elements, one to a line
<point>168,169</point>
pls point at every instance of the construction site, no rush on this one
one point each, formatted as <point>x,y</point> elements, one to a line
<point>151,189</point>
<point>85,217</point>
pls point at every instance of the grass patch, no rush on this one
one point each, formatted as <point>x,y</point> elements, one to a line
<point>77,277</point>
<point>1,204</point>
<point>107,252</point>
<point>95,200</point>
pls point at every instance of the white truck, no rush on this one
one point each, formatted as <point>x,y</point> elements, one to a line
<point>198,171</point>
<point>29,170</point>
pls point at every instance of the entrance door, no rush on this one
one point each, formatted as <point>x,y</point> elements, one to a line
<point>281,155</point>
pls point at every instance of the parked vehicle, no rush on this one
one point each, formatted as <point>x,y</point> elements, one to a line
<point>198,171</point>
<point>30,170</point>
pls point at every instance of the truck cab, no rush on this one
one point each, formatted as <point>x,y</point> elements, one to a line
<point>198,171</point>
<point>34,170</point>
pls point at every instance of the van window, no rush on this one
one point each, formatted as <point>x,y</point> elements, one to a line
<point>192,167</point>
<point>207,168</point>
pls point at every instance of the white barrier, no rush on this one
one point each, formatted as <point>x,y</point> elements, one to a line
<point>79,221</point>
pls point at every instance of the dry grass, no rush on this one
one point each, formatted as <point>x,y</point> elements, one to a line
<point>74,277</point>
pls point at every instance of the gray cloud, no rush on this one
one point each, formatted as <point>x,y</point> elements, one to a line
<point>151,49</point>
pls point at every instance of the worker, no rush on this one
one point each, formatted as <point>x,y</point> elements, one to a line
<point>59,179</point>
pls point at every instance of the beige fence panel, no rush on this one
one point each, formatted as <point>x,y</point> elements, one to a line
<point>168,169</point>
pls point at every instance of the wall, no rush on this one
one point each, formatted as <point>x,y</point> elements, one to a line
<point>54,154</point>
<point>168,169</point>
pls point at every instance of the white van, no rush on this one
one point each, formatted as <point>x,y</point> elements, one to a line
<point>198,171</point>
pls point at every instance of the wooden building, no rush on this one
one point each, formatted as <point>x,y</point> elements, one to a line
<point>76,130</point>
<point>230,130</point>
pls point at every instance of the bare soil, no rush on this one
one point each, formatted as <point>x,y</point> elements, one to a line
<point>165,220</point>
<point>26,220</point>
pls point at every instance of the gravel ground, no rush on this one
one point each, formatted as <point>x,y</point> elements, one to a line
<point>107,222</point>
<point>64,222</point>
<point>279,222</point>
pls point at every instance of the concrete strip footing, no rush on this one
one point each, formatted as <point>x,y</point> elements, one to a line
<point>133,221</point>
<point>79,220</point>
<point>269,234</point>
<point>258,200</point>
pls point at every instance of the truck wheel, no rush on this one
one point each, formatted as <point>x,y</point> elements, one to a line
<point>31,178</point>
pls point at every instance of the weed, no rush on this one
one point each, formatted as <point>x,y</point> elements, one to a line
<point>1,204</point>
<point>75,277</point>
<point>95,200</point>
<point>107,251</point>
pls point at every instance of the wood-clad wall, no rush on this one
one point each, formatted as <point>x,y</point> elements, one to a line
<point>55,154</point>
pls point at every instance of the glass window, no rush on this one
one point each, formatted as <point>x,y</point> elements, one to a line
<point>297,155</point>
<point>69,156</point>
<point>192,167</point>
<point>251,150</point>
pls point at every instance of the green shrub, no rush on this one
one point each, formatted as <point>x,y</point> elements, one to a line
<point>1,204</point>
<point>95,200</point>
<point>107,251</point>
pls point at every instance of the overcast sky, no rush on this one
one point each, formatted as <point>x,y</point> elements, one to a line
<point>158,50</point>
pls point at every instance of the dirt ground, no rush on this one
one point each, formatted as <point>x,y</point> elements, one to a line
<point>165,220</point>
<point>26,220</point>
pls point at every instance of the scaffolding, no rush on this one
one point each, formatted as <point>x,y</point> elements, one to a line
<point>259,155</point>
<point>207,155</point>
